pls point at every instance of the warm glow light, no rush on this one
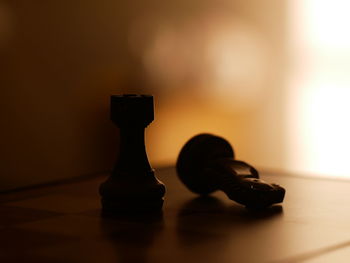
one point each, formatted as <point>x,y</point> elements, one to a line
<point>238,65</point>
<point>224,55</point>
<point>214,69</point>
<point>318,99</point>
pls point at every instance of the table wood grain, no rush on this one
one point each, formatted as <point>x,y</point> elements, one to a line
<point>63,223</point>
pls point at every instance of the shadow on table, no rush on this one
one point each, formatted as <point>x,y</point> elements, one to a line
<point>132,235</point>
<point>207,218</point>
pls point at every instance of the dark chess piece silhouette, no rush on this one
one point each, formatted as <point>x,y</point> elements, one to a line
<point>207,163</point>
<point>132,185</point>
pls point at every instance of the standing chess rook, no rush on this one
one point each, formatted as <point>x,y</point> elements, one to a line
<point>132,186</point>
<point>207,163</point>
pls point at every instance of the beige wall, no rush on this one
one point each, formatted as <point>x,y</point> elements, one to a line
<point>249,112</point>
<point>58,67</point>
<point>60,61</point>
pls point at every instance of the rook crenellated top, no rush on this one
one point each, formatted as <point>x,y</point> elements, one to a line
<point>132,110</point>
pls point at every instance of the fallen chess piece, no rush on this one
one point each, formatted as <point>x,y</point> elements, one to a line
<point>132,186</point>
<point>207,163</point>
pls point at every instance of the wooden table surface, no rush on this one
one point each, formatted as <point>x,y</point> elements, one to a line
<point>62,223</point>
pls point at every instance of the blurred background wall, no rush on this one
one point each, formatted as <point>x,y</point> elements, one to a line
<point>318,88</point>
<point>270,76</point>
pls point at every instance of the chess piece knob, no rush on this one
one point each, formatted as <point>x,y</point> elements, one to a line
<point>132,185</point>
<point>207,163</point>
